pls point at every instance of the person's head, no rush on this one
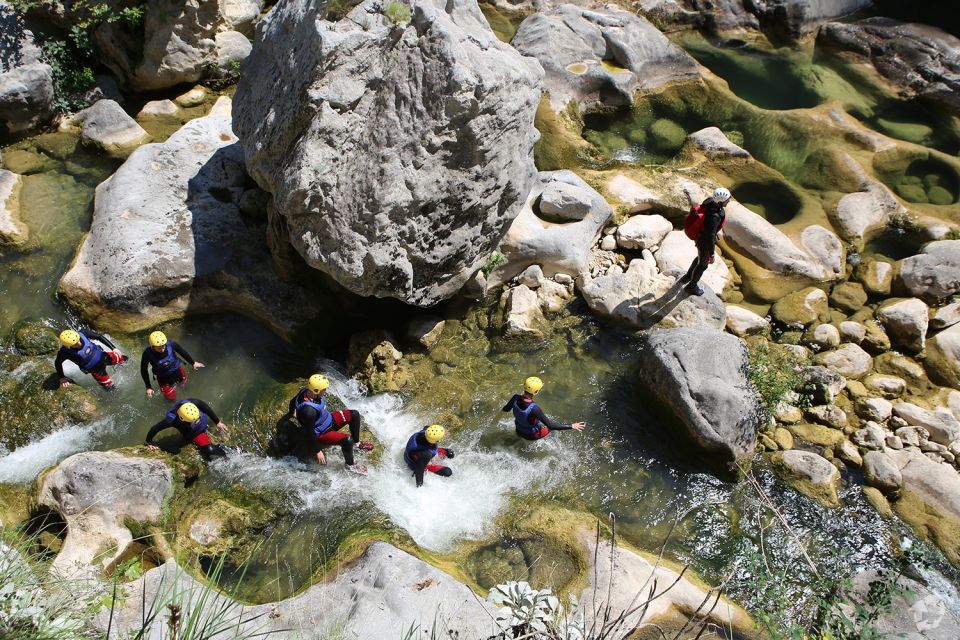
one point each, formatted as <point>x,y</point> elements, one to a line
<point>532,386</point>
<point>70,339</point>
<point>434,433</point>
<point>721,195</point>
<point>317,385</point>
<point>188,412</point>
<point>158,341</point>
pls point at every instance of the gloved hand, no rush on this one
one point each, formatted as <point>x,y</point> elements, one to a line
<point>449,453</point>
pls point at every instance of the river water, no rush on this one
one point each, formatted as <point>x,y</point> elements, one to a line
<point>623,464</point>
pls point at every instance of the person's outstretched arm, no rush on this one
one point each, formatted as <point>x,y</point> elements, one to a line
<point>93,335</point>
<point>509,405</point>
<point>144,371</point>
<point>207,409</point>
<point>542,418</point>
<point>157,428</point>
<point>180,351</point>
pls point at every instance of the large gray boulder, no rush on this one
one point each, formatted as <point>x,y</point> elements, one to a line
<point>572,44</point>
<point>934,273</point>
<point>106,126</point>
<point>699,375</point>
<point>168,237</point>
<point>26,82</point>
<point>917,59</point>
<point>97,493</point>
<point>396,153</point>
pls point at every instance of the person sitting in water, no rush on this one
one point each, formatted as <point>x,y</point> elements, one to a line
<point>422,448</point>
<point>322,426</point>
<point>162,355</point>
<point>530,420</point>
<point>191,418</point>
<point>79,348</point>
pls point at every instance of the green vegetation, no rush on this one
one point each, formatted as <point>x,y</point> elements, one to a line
<point>493,261</point>
<point>397,12</point>
<point>73,55</point>
<point>774,372</point>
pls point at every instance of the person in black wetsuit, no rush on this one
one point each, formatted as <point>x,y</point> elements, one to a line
<point>79,348</point>
<point>422,447</point>
<point>191,417</point>
<point>322,426</point>
<point>530,420</point>
<point>714,216</point>
<point>162,357</point>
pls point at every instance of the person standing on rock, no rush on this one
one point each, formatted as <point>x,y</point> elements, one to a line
<point>191,417</point>
<point>79,348</point>
<point>422,447</point>
<point>322,426</point>
<point>530,420</point>
<point>162,356</point>
<point>703,229</point>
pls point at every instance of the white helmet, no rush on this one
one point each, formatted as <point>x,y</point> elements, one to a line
<point>721,193</point>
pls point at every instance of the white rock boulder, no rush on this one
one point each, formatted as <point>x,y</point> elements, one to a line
<point>643,232</point>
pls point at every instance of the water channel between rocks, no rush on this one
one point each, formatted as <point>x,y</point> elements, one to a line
<point>621,464</point>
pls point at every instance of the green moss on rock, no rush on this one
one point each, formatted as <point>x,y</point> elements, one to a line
<point>35,338</point>
<point>940,196</point>
<point>666,135</point>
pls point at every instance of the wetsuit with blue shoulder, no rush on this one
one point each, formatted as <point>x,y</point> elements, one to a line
<point>82,349</point>
<point>530,421</point>
<point>422,447</point>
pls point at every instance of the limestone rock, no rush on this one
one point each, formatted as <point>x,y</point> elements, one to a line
<point>425,330</point>
<point>823,336</point>
<point>783,438</point>
<point>232,48</point>
<point>817,434</point>
<point>643,232</point>
<point>522,315</point>
<point>917,59</point>
<point>531,277</point>
<point>848,296</point>
<point>676,254</point>
<point>852,332</point>
<point>801,308</point>
<point>13,231</point>
<point>715,145</point>
<point>553,296</point>
<point>788,414</point>
<point>565,201</point>
<point>699,375</point>
<point>823,384</point>
<point>168,237</point>
<point>809,474</point>
<point>848,360</point>
<point>641,298</point>
<point>572,43</point>
<point>743,322</point>
<point>944,428</point>
<point>96,533</point>
<point>636,197</point>
<point>876,276</point>
<point>442,108</point>
<point>876,409</point>
<point>859,214</point>
<point>876,339</point>
<point>946,316</point>
<point>374,359</point>
<point>871,436</point>
<point>934,273</point>
<point>26,81</point>
<point>191,98</point>
<point>826,250</point>
<point>880,472</point>
<point>107,126</point>
<point>158,108</point>
<point>900,366</point>
<point>943,357</point>
<point>888,386</point>
<point>828,415</point>
<point>920,612</point>
<point>847,452</point>
<point>906,323</point>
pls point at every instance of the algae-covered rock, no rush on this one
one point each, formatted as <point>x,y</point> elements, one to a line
<point>801,308</point>
<point>817,434</point>
<point>848,360</point>
<point>35,338</point>
<point>31,404</point>
<point>667,136</point>
<point>848,296</point>
<point>376,361</point>
<point>810,474</point>
<point>943,357</point>
<point>878,501</point>
<point>876,276</point>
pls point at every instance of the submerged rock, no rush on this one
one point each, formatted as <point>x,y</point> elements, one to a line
<point>641,298</point>
<point>438,105</point>
<point>13,231</point>
<point>699,375</point>
<point>135,490</point>
<point>600,57</point>
<point>810,474</point>
<point>168,238</point>
<point>26,81</point>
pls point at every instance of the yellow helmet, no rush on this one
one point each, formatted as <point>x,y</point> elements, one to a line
<point>188,412</point>
<point>158,339</point>
<point>532,385</point>
<point>69,338</point>
<point>317,383</point>
<point>434,433</point>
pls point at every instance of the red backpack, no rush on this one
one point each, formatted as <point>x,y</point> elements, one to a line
<point>693,226</point>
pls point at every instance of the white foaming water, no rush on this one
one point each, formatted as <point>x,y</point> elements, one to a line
<point>436,515</point>
<point>25,463</point>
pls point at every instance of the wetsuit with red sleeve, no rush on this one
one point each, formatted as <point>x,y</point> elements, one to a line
<point>322,426</point>
<point>530,420</point>
<point>194,432</point>
<point>90,357</point>
<point>418,454</point>
<point>167,367</point>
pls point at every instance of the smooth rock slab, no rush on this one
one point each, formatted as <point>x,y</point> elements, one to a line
<point>944,428</point>
<point>810,474</point>
<point>699,376</point>
<point>442,109</point>
<point>946,316</point>
<point>677,253</point>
